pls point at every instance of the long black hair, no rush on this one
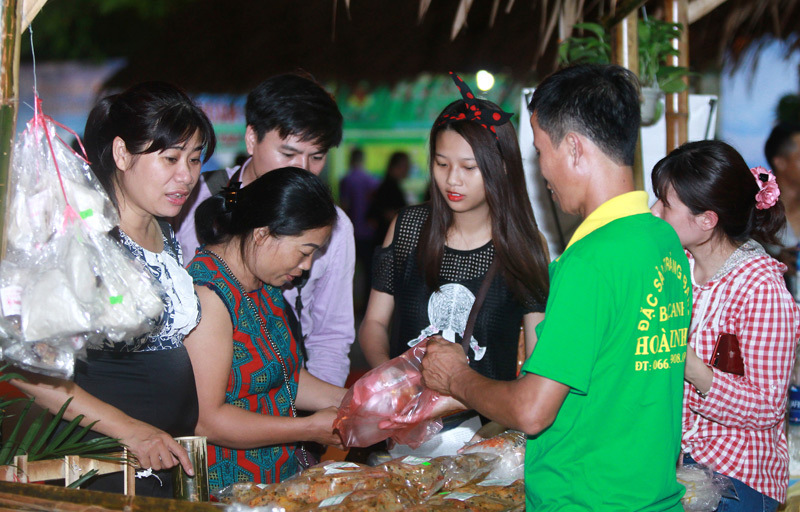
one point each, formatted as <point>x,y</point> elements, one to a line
<point>710,175</point>
<point>515,236</point>
<point>148,117</point>
<point>287,201</point>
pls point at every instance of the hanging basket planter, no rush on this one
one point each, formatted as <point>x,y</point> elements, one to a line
<point>651,105</point>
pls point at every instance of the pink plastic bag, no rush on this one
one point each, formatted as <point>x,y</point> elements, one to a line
<point>392,393</point>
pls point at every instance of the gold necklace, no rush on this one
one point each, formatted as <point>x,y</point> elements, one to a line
<point>255,311</point>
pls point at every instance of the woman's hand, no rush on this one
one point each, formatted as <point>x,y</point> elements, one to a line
<point>155,449</point>
<point>319,428</point>
<point>697,373</point>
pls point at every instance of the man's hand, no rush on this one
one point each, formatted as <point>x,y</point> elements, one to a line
<point>443,361</point>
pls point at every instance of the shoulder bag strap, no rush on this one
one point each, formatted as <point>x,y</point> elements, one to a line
<point>476,306</point>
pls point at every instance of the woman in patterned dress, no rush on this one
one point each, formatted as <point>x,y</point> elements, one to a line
<point>248,368</point>
<point>733,414</point>
<point>146,146</point>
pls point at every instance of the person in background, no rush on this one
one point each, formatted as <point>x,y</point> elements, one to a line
<point>293,121</point>
<point>389,197</point>
<point>733,415</point>
<point>248,367</point>
<point>782,150</point>
<point>600,396</point>
<point>478,227</point>
<point>355,194</point>
<point>146,146</point>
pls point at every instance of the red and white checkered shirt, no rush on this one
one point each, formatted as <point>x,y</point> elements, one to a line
<point>738,428</point>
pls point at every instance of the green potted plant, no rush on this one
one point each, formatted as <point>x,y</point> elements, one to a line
<point>42,440</point>
<point>655,45</point>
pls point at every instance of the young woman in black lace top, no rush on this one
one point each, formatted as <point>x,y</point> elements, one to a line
<point>435,255</point>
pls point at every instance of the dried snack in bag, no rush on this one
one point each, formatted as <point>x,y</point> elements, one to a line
<point>324,481</point>
<point>239,492</point>
<point>391,391</point>
<point>510,447</point>
<point>511,492</point>
<point>64,282</point>
<point>462,469</point>
<point>422,475</point>
<point>392,498</point>
<point>456,500</point>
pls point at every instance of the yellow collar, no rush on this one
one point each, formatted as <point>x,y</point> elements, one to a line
<point>630,203</point>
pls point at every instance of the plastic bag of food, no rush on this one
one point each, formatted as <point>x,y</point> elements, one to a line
<point>239,507</point>
<point>423,475</point>
<point>324,481</point>
<point>511,492</point>
<point>462,469</point>
<point>704,489</point>
<point>510,447</point>
<point>390,392</point>
<point>456,500</point>
<point>239,492</point>
<point>391,498</point>
<point>64,282</point>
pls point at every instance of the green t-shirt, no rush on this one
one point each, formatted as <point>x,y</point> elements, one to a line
<point>615,332</point>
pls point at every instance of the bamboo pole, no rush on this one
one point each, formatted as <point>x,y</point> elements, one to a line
<point>10,14</point>
<point>677,111</point>
<point>625,53</point>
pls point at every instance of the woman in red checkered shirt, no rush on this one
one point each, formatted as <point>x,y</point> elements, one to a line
<point>734,409</point>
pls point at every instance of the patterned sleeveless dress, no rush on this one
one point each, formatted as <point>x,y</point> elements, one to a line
<point>256,381</point>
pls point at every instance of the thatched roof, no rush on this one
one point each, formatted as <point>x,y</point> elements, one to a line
<point>214,46</point>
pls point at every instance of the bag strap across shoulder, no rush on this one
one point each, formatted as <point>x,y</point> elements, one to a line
<point>476,306</point>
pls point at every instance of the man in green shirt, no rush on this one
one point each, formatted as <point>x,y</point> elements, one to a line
<point>600,397</point>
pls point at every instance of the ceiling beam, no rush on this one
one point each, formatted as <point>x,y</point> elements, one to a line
<point>30,8</point>
<point>699,8</point>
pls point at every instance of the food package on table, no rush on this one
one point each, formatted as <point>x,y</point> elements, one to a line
<point>461,469</point>
<point>512,492</point>
<point>391,391</point>
<point>392,498</point>
<point>510,447</point>
<point>64,281</point>
<point>324,481</point>
<point>457,500</point>
<point>239,507</point>
<point>423,475</point>
<point>704,489</point>
<point>239,492</point>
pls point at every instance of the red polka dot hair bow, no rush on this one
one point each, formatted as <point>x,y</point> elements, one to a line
<point>485,116</point>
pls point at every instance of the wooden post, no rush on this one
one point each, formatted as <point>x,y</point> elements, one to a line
<point>625,53</point>
<point>10,11</point>
<point>677,111</point>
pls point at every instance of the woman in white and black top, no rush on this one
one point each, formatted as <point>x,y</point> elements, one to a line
<point>146,146</point>
<point>436,255</point>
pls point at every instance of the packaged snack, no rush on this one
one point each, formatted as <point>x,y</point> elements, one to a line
<point>392,498</point>
<point>509,447</point>
<point>324,481</point>
<point>467,467</point>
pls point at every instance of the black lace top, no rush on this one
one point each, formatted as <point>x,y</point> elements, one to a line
<point>420,313</point>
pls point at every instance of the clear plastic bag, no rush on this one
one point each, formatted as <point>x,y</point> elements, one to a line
<point>64,282</point>
<point>510,447</point>
<point>391,391</point>
<point>704,489</point>
<point>323,481</point>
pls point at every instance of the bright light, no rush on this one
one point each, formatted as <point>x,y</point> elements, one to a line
<point>485,80</point>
